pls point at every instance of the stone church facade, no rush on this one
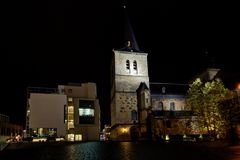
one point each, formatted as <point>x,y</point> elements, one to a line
<point>157,110</point>
<point>170,118</point>
<point>135,106</point>
<point>129,70</point>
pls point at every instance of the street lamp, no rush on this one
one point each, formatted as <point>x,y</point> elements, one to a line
<point>238,86</point>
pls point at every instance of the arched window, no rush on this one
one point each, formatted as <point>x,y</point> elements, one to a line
<point>135,65</point>
<point>172,106</point>
<point>134,115</point>
<point>127,64</point>
<point>160,106</point>
<point>163,90</point>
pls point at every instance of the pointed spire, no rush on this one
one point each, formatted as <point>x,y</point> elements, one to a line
<point>129,37</point>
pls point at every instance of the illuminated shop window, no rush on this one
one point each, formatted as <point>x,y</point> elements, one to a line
<point>78,137</point>
<point>70,137</point>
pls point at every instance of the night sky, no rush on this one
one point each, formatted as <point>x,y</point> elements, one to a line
<point>46,43</point>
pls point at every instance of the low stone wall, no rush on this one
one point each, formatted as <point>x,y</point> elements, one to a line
<point>3,145</point>
<point>3,142</point>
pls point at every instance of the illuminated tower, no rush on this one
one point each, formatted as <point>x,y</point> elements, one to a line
<point>129,69</point>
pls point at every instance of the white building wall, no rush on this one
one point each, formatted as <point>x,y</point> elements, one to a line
<point>47,111</point>
<point>83,90</point>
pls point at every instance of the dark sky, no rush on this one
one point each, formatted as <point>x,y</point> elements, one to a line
<point>45,43</point>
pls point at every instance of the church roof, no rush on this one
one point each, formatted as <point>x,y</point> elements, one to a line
<point>169,88</point>
<point>207,75</point>
<point>229,78</point>
<point>142,87</point>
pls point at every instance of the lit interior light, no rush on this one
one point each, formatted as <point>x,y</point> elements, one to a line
<point>86,112</point>
<point>167,137</point>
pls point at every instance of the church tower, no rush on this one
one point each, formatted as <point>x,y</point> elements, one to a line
<point>129,69</point>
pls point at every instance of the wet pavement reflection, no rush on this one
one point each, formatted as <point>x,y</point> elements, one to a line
<point>115,151</point>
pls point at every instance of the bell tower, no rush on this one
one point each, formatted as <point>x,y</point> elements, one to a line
<point>129,68</point>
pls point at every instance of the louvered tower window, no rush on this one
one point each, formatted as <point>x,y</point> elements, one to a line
<point>127,64</point>
<point>135,65</point>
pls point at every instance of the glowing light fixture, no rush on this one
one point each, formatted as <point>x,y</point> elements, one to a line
<point>184,136</point>
<point>167,137</point>
<point>238,86</point>
<point>124,130</point>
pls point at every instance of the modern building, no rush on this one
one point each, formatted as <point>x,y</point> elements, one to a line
<point>71,111</point>
<point>46,114</point>
<point>83,111</point>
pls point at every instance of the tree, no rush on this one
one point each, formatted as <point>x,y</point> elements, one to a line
<point>204,100</point>
<point>231,112</point>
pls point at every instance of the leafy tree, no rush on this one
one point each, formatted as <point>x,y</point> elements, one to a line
<point>231,113</point>
<point>204,100</point>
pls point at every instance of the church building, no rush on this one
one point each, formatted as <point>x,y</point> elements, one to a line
<point>129,73</point>
<point>141,108</point>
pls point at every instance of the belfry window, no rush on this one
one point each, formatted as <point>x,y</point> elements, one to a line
<point>135,65</point>
<point>127,64</point>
